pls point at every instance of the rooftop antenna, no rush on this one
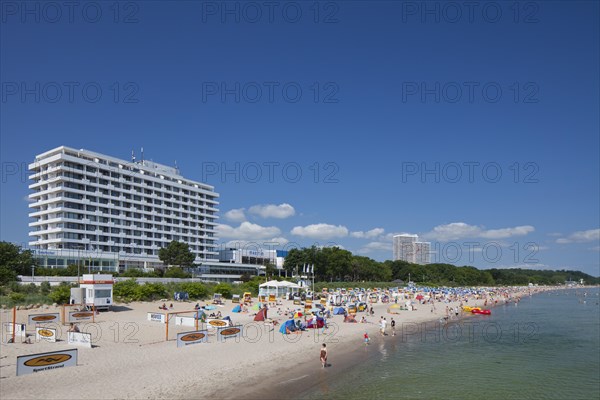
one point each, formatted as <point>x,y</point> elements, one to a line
<point>142,154</point>
<point>132,156</point>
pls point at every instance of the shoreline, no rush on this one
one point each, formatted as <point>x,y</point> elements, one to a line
<point>131,354</point>
<point>304,379</point>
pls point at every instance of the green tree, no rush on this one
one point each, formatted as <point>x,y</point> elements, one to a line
<point>7,275</point>
<point>176,272</point>
<point>294,261</point>
<point>224,289</point>
<point>45,288</point>
<point>177,253</point>
<point>14,261</point>
<point>61,294</point>
<point>195,290</point>
<point>125,290</point>
<point>271,269</point>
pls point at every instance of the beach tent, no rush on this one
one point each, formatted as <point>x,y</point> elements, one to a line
<point>261,315</point>
<point>277,288</point>
<point>255,307</point>
<point>298,314</point>
<point>288,325</point>
<point>237,309</point>
<point>339,311</point>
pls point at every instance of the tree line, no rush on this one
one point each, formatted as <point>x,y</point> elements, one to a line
<point>331,264</point>
<point>334,264</point>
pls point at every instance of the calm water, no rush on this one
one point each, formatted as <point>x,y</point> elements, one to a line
<point>549,348</point>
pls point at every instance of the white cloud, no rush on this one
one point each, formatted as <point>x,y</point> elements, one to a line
<point>390,236</point>
<point>235,215</point>
<point>247,231</point>
<point>276,241</point>
<point>373,233</point>
<point>595,248</point>
<point>590,235</point>
<point>461,230</point>
<point>280,211</point>
<point>376,246</point>
<point>507,232</point>
<point>320,231</point>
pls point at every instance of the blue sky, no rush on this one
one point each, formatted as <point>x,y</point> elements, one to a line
<point>329,122</point>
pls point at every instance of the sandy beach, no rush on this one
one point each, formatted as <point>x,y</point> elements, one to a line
<point>131,359</point>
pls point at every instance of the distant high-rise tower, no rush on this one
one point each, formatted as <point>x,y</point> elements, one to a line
<point>422,252</point>
<point>408,248</point>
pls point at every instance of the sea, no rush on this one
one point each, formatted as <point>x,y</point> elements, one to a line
<point>546,347</point>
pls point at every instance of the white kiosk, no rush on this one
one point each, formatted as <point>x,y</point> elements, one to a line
<point>94,289</point>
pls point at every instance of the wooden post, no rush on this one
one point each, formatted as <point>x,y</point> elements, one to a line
<point>14,320</point>
<point>167,327</point>
<point>63,314</point>
<point>93,313</point>
<point>196,320</point>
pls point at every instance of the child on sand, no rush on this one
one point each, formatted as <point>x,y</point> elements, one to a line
<point>367,340</point>
<point>323,355</point>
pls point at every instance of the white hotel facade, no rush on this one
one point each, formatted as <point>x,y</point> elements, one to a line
<point>407,247</point>
<point>115,214</point>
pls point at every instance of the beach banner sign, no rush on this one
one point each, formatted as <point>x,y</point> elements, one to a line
<point>157,317</point>
<point>194,337</point>
<point>231,332</point>
<point>43,318</point>
<point>46,334</point>
<point>80,339</point>
<point>46,361</point>
<point>217,323</point>
<point>76,316</point>
<point>7,330</point>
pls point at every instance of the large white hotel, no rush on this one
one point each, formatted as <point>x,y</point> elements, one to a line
<point>116,214</point>
<point>408,248</point>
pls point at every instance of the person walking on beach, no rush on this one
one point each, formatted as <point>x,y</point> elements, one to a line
<point>324,355</point>
<point>393,325</point>
<point>366,337</point>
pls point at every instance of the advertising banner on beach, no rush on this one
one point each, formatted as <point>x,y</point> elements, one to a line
<point>43,318</point>
<point>231,332</point>
<point>194,337</point>
<point>47,334</point>
<point>216,323</point>
<point>46,361</point>
<point>157,317</point>
<point>80,339</point>
<point>76,316</point>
